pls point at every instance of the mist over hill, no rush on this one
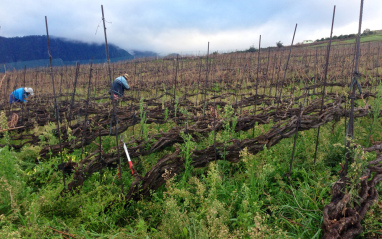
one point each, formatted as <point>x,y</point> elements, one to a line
<point>32,51</point>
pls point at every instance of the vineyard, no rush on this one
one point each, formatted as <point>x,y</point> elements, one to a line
<point>236,145</point>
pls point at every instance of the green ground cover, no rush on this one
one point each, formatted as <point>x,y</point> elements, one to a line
<point>368,38</point>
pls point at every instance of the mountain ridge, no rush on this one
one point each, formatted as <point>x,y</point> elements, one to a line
<point>33,51</point>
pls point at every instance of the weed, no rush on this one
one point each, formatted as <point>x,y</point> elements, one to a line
<point>355,171</point>
<point>186,150</point>
<point>230,121</point>
<point>48,137</point>
<point>4,126</point>
<point>165,114</point>
<point>176,105</point>
<point>376,109</point>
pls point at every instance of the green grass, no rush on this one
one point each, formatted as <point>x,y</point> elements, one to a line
<point>368,38</point>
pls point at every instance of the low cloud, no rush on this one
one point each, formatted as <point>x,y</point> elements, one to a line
<point>187,26</point>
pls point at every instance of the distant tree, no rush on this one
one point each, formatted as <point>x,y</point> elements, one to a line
<point>251,49</point>
<point>279,44</point>
<point>367,31</point>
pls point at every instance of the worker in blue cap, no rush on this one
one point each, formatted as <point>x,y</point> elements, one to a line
<point>119,86</point>
<point>20,95</point>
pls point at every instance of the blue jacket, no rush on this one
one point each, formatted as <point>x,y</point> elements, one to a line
<point>18,95</point>
<point>119,86</point>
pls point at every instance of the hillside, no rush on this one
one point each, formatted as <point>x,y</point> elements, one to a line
<point>32,51</point>
<point>374,36</point>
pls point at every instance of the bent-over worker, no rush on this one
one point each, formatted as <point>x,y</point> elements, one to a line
<point>119,86</point>
<point>20,94</point>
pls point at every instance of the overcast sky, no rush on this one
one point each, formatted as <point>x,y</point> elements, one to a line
<point>186,26</point>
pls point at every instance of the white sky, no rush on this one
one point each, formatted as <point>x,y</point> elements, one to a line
<point>186,26</point>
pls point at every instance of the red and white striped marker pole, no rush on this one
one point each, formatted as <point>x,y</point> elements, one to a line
<point>128,158</point>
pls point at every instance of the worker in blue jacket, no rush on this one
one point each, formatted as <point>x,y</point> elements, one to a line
<point>119,86</point>
<point>20,95</point>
